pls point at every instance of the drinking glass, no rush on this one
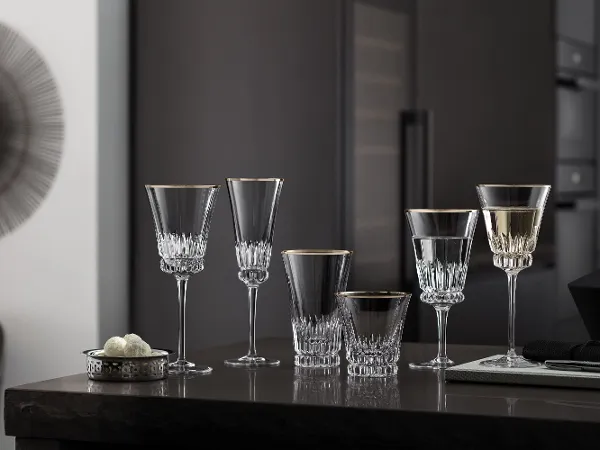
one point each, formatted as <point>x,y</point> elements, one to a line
<point>373,324</point>
<point>254,203</point>
<point>182,215</point>
<point>513,216</point>
<point>314,276</point>
<point>442,241</point>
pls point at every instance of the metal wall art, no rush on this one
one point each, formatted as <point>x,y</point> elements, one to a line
<point>31,129</point>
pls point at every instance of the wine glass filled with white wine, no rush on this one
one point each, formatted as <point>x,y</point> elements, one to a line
<point>513,216</point>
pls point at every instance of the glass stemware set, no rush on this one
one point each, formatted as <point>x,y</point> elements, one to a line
<point>322,311</point>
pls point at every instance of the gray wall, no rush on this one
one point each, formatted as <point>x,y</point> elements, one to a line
<point>113,168</point>
<point>233,88</point>
<point>486,69</point>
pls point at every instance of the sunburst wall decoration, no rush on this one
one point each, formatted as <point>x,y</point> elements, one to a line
<point>31,129</point>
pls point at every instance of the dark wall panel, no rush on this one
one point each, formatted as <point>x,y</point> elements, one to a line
<point>233,88</point>
<point>486,69</point>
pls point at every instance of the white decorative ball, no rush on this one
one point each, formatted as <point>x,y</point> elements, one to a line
<point>135,349</point>
<point>115,346</point>
<point>132,337</point>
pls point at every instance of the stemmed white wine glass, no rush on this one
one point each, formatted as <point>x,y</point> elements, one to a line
<point>513,216</point>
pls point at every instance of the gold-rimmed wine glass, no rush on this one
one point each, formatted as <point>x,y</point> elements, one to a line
<point>513,217</point>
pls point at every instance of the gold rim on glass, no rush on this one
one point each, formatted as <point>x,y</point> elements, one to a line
<point>184,186</point>
<point>442,210</point>
<point>515,185</point>
<point>316,252</point>
<point>254,179</point>
<point>372,294</point>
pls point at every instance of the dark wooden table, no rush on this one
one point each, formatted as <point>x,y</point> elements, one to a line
<point>287,408</point>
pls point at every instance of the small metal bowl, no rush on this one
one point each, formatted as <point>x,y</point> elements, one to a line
<point>119,368</point>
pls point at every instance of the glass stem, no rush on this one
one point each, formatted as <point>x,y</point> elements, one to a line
<point>252,294</point>
<point>182,281</point>
<point>442,320</point>
<point>512,294</point>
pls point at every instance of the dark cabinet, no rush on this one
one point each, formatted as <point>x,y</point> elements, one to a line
<point>575,19</point>
<point>575,57</point>
<point>576,123</point>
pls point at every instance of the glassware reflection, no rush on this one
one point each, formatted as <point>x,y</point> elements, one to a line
<point>251,385</point>
<point>441,390</point>
<point>369,392</point>
<point>512,405</point>
<point>148,388</point>
<point>317,386</point>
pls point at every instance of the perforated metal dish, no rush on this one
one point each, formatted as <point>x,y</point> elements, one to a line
<point>111,368</point>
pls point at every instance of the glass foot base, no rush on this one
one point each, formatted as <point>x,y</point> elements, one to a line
<point>434,364</point>
<point>317,361</point>
<point>512,362</point>
<point>188,368</point>
<point>252,361</point>
<point>361,370</point>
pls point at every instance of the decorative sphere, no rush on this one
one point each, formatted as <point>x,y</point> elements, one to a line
<point>136,348</point>
<point>115,346</point>
<point>132,337</point>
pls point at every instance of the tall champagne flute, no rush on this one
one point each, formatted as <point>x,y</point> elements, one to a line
<point>182,215</point>
<point>513,216</point>
<point>254,203</point>
<point>442,241</point>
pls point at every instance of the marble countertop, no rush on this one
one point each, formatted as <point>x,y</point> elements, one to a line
<point>288,407</point>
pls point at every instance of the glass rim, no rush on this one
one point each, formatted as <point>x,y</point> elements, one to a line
<point>183,186</point>
<point>373,294</point>
<point>440,210</point>
<point>254,179</point>
<point>316,252</point>
<point>515,185</point>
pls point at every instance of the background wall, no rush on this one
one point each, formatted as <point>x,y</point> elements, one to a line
<point>233,88</point>
<point>486,69</point>
<point>53,268</point>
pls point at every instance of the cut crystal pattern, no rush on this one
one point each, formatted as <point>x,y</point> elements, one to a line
<point>317,340</point>
<point>181,253</point>
<point>253,255</point>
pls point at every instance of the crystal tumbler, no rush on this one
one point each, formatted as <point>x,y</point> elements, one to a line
<point>373,324</point>
<point>314,277</point>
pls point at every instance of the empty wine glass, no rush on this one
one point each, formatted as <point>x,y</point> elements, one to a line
<point>442,241</point>
<point>513,216</point>
<point>182,215</point>
<point>254,203</point>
